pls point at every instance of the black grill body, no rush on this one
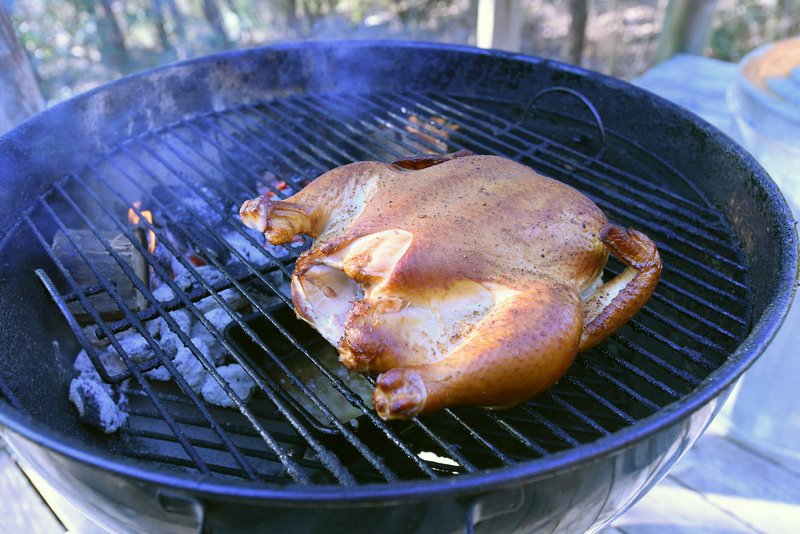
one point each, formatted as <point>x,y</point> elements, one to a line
<point>208,131</point>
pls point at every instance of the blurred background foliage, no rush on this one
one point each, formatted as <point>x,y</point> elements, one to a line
<point>746,24</point>
<point>74,45</point>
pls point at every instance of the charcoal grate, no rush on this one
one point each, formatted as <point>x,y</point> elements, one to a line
<point>194,173</point>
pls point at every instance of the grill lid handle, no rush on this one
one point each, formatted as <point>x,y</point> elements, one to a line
<point>580,96</point>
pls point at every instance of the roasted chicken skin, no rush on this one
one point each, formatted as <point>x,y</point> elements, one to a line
<point>458,279</point>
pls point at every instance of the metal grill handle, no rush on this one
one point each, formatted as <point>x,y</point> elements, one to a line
<point>580,96</point>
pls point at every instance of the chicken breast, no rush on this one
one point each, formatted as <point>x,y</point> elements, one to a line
<point>459,279</point>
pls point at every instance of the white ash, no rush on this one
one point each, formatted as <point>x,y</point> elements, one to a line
<point>237,379</point>
<point>95,404</point>
<point>136,347</point>
<point>190,367</point>
<point>187,203</point>
<point>156,326</point>
<point>90,332</point>
<point>219,318</point>
<point>95,400</point>
<point>160,374</point>
<point>187,281</point>
<point>215,351</point>
<point>153,327</point>
<point>169,340</point>
<point>253,254</point>
<point>187,365</point>
<point>109,359</point>
<point>170,343</point>
<point>231,296</point>
<point>213,277</point>
<point>163,293</point>
<point>181,317</point>
<point>177,268</point>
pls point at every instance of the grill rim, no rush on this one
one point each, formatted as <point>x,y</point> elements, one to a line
<point>715,385</point>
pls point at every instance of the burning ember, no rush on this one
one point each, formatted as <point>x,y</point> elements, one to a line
<point>134,218</point>
<point>280,186</point>
<point>272,183</point>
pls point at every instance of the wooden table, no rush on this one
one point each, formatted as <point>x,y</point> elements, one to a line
<point>721,485</point>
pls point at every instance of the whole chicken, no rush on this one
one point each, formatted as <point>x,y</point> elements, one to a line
<point>458,279</point>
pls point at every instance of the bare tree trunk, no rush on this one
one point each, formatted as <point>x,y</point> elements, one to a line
<point>573,48</point>
<point>177,16</point>
<point>616,37</point>
<point>232,7</point>
<point>782,21</point>
<point>116,35</point>
<point>291,14</point>
<point>214,18</point>
<point>20,96</point>
<point>160,22</point>
<point>499,24</point>
<point>687,28</point>
<point>179,24</point>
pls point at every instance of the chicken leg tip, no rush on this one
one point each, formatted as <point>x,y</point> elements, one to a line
<point>399,394</point>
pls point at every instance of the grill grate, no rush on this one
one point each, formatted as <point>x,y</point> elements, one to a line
<point>194,173</point>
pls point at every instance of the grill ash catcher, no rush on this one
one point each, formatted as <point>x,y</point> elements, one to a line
<point>131,288</point>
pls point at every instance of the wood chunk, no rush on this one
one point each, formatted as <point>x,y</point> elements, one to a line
<point>97,254</point>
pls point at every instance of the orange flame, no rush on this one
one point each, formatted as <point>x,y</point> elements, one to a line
<point>147,215</point>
